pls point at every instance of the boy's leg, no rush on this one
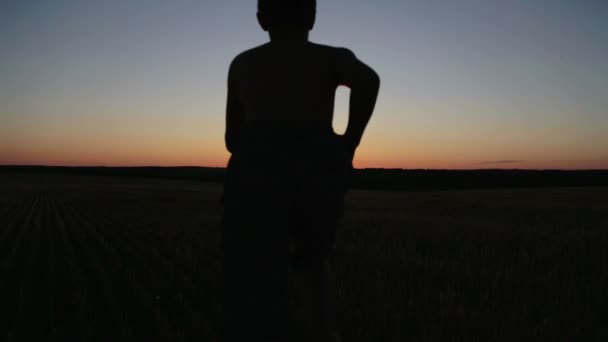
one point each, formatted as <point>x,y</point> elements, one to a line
<point>318,207</point>
<point>254,253</point>
<point>315,295</point>
<point>255,283</point>
<point>315,292</point>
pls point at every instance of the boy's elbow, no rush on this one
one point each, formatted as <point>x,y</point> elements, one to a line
<point>370,81</point>
<point>228,143</point>
<point>375,79</point>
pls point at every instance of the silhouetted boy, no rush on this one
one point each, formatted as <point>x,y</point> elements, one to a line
<point>287,176</point>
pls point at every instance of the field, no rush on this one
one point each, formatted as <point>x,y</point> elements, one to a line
<point>109,258</point>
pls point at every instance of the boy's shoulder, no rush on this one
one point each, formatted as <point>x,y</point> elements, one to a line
<point>251,52</point>
<point>261,51</point>
<point>246,57</point>
<point>331,49</point>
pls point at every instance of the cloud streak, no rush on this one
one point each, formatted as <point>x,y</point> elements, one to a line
<point>498,162</point>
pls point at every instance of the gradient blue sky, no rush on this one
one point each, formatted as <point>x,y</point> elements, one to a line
<point>465,83</point>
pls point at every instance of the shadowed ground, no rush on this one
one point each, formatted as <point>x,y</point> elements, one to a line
<point>103,258</point>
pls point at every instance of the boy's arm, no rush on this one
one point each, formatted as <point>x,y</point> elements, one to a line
<point>235,117</point>
<point>364,84</point>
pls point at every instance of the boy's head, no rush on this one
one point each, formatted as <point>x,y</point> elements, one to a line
<point>279,15</point>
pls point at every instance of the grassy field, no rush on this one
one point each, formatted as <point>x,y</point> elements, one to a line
<point>101,258</point>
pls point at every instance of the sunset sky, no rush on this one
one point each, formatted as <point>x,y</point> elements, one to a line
<point>465,83</point>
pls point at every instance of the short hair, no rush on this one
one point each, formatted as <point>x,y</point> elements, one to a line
<point>279,13</point>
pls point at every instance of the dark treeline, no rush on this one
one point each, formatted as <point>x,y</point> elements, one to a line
<point>395,179</point>
<point>381,179</point>
<point>207,174</point>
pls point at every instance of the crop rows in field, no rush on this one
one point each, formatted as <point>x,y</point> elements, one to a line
<point>106,259</point>
<point>66,274</point>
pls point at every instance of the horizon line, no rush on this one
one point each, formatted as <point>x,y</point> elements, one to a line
<point>223,167</point>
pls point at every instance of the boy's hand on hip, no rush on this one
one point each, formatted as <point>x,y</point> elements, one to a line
<point>348,148</point>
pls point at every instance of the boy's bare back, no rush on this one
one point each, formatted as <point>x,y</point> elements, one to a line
<point>290,81</point>
<point>295,80</point>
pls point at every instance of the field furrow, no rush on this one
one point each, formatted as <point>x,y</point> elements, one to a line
<point>117,280</point>
<point>100,307</point>
<point>153,279</point>
<point>10,226</point>
<point>31,321</point>
<point>18,289</point>
<point>75,294</point>
<point>59,312</point>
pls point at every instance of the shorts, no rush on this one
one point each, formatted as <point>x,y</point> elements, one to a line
<point>287,181</point>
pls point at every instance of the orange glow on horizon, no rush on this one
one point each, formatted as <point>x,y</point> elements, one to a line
<point>379,149</point>
<point>218,158</point>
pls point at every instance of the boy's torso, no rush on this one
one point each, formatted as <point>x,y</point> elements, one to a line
<point>293,81</point>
